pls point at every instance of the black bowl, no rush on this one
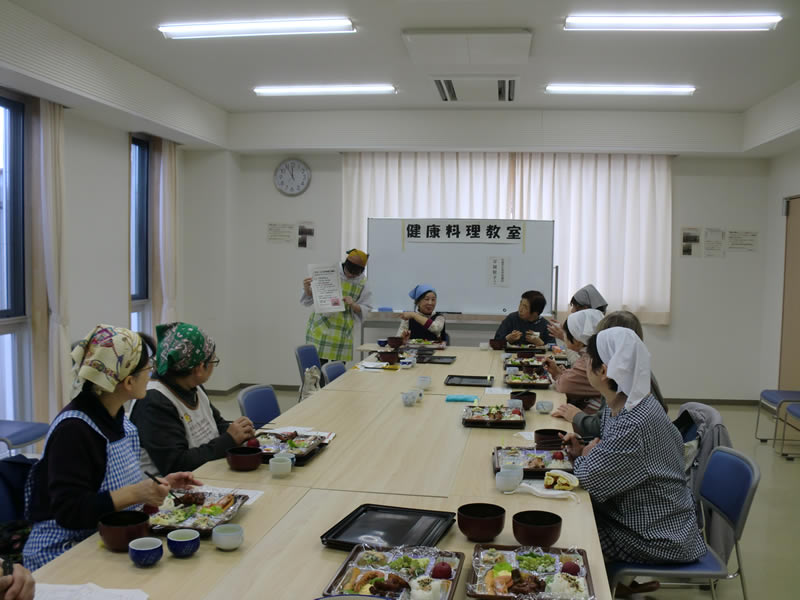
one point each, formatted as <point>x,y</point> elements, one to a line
<point>536,528</point>
<point>118,529</point>
<point>244,458</point>
<point>481,522</point>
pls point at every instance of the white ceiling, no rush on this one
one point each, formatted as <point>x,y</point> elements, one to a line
<point>732,71</point>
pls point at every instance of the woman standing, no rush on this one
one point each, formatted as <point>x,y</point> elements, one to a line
<point>422,323</point>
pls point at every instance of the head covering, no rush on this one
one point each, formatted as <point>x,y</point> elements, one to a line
<point>106,356</point>
<point>357,257</point>
<point>181,347</point>
<point>627,361</point>
<point>420,290</point>
<point>589,296</point>
<point>583,324</point>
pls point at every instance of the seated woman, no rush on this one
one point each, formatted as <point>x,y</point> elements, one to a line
<point>586,297</point>
<point>90,464</point>
<point>635,474</point>
<point>179,428</point>
<point>526,325</point>
<point>573,382</point>
<point>422,323</point>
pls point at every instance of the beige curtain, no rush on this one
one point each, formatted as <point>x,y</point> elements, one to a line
<point>163,225</point>
<point>46,195</point>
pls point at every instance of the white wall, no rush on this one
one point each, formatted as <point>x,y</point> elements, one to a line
<point>95,221</point>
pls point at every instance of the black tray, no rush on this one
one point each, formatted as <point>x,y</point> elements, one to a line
<point>436,360</point>
<point>398,526</point>
<point>471,380</point>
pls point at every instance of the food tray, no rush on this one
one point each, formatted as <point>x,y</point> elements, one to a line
<point>436,359</point>
<point>304,447</point>
<point>470,380</point>
<point>482,416</point>
<point>481,564</point>
<point>526,456</point>
<point>419,343</point>
<point>380,559</point>
<point>201,523</point>
<point>521,380</point>
<point>526,348</point>
<point>536,361</point>
<point>379,525</point>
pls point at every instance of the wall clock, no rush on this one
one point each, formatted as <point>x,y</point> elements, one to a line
<point>292,177</point>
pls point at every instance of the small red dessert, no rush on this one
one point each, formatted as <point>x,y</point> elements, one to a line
<point>516,411</point>
<point>442,570</point>
<point>558,455</point>
<point>253,443</point>
<point>571,568</point>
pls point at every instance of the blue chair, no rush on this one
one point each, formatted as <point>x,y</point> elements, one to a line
<point>729,484</point>
<point>792,410</point>
<point>307,357</point>
<point>332,370</point>
<point>259,404</point>
<point>772,401</point>
<point>18,434</point>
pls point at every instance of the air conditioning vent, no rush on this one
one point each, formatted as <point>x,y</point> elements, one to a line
<point>475,90</point>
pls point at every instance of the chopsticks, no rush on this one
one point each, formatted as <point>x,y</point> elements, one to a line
<point>154,478</point>
<point>559,444</point>
<point>8,566</point>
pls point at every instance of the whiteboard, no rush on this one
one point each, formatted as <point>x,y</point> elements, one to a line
<point>461,271</point>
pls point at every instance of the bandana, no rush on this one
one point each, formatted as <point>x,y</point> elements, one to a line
<point>583,324</point>
<point>420,290</point>
<point>358,257</point>
<point>106,356</point>
<point>627,361</point>
<point>182,346</point>
<point>589,296</point>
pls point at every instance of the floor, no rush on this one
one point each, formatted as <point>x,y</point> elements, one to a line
<point>770,535</point>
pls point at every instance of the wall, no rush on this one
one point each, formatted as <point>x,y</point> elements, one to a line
<point>95,222</point>
<point>242,289</point>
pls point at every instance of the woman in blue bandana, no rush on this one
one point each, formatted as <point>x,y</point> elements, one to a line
<point>423,322</point>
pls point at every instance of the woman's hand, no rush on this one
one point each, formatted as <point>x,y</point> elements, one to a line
<point>588,447</point>
<point>182,479</point>
<point>532,337</point>
<point>556,330</point>
<point>553,368</point>
<point>406,336</point>
<point>17,586</point>
<point>514,336</point>
<point>566,412</point>
<point>148,491</point>
<point>572,444</point>
<point>307,286</point>
<point>241,430</point>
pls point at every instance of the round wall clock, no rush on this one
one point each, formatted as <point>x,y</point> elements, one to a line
<point>292,177</point>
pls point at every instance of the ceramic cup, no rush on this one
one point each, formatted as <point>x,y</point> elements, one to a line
<point>228,536</point>
<point>286,454</point>
<point>409,398</point>
<point>508,480</point>
<point>280,466</point>
<point>424,382</point>
<point>419,392</point>
<point>515,403</point>
<point>484,345</point>
<point>146,551</point>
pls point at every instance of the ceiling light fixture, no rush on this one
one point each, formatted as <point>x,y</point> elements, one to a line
<point>187,31</point>
<point>619,89</point>
<point>325,90</point>
<point>672,22</point>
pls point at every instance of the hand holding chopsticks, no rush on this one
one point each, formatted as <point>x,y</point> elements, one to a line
<point>576,445</point>
<point>154,478</point>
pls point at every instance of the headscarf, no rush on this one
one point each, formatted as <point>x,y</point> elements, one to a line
<point>181,347</point>
<point>420,290</point>
<point>106,356</point>
<point>589,296</point>
<point>357,257</point>
<point>583,324</point>
<point>627,361</point>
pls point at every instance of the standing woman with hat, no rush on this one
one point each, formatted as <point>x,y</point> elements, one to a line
<point>422,322</point>
<point>332,333</point>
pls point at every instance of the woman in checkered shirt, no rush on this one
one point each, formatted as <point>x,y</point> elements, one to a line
<point>634,473</point>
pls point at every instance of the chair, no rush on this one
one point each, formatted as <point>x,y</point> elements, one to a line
<point>13,474</point>
<point>793,410</point>
<point>332,370</point>
<point>17,434</point>
<point>259,404</point>
<point>306,356</point>
<point>729,484</point>
<point>772,401</point>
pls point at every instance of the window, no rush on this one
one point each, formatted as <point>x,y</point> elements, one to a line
<point>140,239</point>
<point>14,349</point>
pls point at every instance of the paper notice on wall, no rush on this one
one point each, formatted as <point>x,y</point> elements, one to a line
<point>690,241</point>
<point>281,232</point>
<point>498,271</point>
<point>713,242</point>
<point>742,241</point>
<point>305,235</point>
<point>326,288</point>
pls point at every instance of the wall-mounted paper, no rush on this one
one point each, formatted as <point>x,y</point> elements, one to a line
<point>281,232</point>
<point>742,241</point>
<point>713,242</point>
<point>690,241</point>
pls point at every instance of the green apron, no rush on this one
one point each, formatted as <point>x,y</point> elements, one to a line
<point>332,333</point>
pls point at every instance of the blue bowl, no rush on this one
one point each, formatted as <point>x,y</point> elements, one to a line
<point>183,542</point>
<point>146,551</point>
<point>382,342</point>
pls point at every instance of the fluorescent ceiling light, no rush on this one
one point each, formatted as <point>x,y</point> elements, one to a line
<point>672,22</point>
<point>619,89</point>
<point>325,90</point>
<point>185,31</point>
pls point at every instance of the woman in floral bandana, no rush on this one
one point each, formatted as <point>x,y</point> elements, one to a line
<point>179,428</point>
<point>90,464</point>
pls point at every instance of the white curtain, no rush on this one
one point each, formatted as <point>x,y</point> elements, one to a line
<point>612,213</point>
<point>48,191</point>
<point>163,185</point>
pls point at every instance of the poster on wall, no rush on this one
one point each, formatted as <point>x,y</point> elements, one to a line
<point>498,270</point>
<point>305,235</point>
<point>742,241</point>
<point>690,241</point>
<point>283,233</point>
<point>713,242</point>
<point>326,288</point>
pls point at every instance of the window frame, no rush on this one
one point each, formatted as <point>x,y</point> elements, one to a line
<point>142,225</point>
<point>15,195</point>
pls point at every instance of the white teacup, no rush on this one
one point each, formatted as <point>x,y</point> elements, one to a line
<point>280,466</point>
<point>424,382</point>
<point>507,480</point>
<point>515,403</point>
<point>418,391</point>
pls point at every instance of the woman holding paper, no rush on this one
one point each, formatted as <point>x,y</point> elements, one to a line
<point>332,333</point>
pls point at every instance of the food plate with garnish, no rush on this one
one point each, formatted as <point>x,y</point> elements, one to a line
<point>535,463</point>
<point>493,416</point>
<point>302,446</point>
<point>201,511</point>
<point>523,380</point>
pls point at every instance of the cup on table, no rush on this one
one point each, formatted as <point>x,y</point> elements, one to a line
<point>228,536</point>
<point>286,454</point>
<point>408,398</point>
<point>515,403</point>
<point>406,363</point>
<point>419,392</point>
<point>424,382</point>
<point>484,345</point>
<point>280,466</point>
<point>508,480</point>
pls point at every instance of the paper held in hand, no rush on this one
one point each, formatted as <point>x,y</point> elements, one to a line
<point>326,288</point>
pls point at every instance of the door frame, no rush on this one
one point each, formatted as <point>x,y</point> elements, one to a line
<point>785,212</point>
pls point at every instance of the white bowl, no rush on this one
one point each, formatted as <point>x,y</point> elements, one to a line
<point>507,481</point>
<point>280,466</point>
<point>408,398</point>
<point>228,536</point>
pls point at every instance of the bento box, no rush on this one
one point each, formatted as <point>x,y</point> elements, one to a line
<point>198,510</point>
<point>535,463</point>
<point>499,416</point>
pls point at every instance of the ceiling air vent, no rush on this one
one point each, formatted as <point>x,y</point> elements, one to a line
<point>476,89</point>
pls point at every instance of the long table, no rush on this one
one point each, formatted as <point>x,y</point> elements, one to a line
<point>383,453</point>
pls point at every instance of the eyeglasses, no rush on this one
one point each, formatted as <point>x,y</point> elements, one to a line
<point>151,364</point>
<point>214,362</point>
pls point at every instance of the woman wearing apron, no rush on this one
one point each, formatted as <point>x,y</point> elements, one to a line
<point>332,333</point>
<point>90,463</point>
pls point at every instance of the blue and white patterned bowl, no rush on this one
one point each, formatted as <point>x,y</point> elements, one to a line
<point>183,542</point>
<point>146,551</point>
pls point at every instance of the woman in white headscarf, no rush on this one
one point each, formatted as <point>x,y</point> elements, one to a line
<point>635,474</point>
<point>585,298</point>
<point>573,382</point>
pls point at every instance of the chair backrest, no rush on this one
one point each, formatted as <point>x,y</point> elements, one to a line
<point>306,356</point>
<point>729,484</point>
<point>332,370</point>
<point>259,404</point>
<point>14,472</point>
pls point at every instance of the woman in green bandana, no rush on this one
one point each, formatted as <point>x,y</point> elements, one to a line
<point>332,333</point>
<point>177,423</point>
